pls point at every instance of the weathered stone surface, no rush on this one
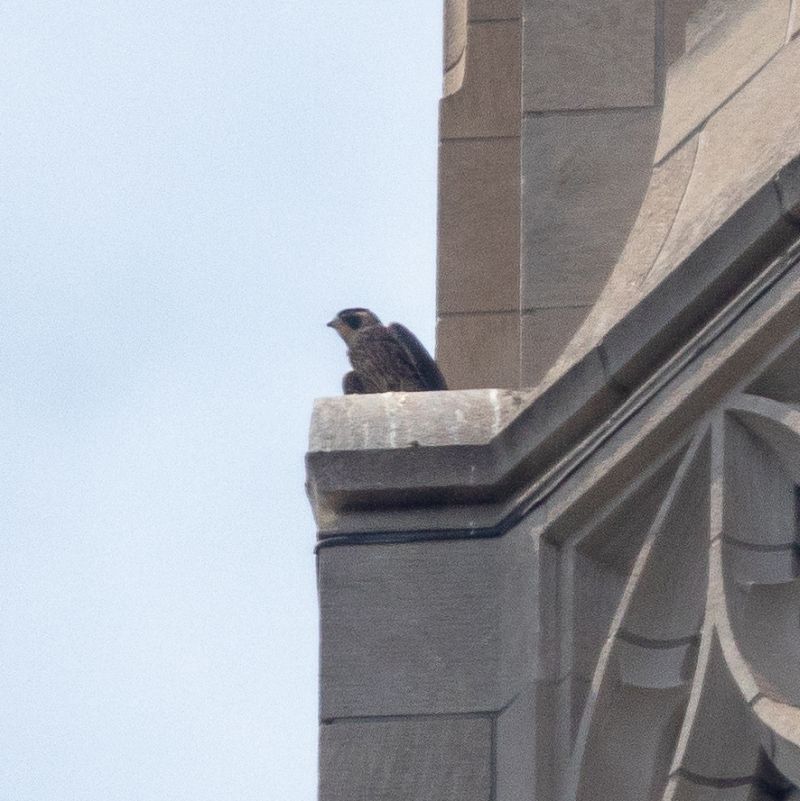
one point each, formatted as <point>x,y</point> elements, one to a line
<point>487,102</point>
<point>455,34</point>
<point>426,628</point>
<point>581,54</point>
<point>522,763</point>
<point>395,448</point>
<point>585,179</point>
<point>400,420</point>
<point>543,335</point>
<point>794,21</point>
<point>723,741</point>
<point>738,155</point>
<point>478,244</point>
<point>736,158</point>
<point>436,759</point>
<point>483,10</point>
<point>479,350</point>
<point>755,233</point>
<point>759,494</point>
<point>724,45</point>
<point>624,287</point>
<point>788,181</point>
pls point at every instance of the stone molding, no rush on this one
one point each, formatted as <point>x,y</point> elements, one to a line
<point>464,460</point>
<point>630,634</point>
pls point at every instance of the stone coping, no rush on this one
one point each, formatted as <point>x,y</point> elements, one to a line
<point>398,465</point>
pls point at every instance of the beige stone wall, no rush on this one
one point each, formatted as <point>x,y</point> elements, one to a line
<point>587,590</point>
<point>479,174</point>
<point>636,121</point>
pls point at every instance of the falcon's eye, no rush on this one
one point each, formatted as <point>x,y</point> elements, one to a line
<point>353,321</point>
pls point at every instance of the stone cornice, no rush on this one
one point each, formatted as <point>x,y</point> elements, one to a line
<point>469,463</point>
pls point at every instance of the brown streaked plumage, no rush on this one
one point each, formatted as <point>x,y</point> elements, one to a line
<point>384,358</point>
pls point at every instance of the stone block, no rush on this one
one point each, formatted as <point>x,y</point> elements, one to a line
<point>478,243</point>
<point>586,176</point>
<point>525,746</point>
<point>479,350</point>
<point>436,759</point>
<point>426,628</point>
<point>485,10</point>
<point>738,156</point>
<point>487,102</point>
<point>585,54</point>
<point>658,668</point>
<point>544,333</point>
<point>722,50</point>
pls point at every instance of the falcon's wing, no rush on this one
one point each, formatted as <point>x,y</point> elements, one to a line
<point>427,368</point>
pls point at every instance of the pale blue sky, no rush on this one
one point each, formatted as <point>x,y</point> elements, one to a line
<point>190,190</point>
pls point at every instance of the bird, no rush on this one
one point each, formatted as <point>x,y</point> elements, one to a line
<point>384,358</point>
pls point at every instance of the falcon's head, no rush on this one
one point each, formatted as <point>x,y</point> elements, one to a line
<point>348,321</point>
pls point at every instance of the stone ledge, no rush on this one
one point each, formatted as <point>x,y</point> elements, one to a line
<point>387,462</point>
<point>460,460</point>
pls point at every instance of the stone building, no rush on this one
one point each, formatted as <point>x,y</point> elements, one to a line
<point>575,577</point>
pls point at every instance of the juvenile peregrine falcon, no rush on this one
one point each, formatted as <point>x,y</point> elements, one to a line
<point>384,358</point>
